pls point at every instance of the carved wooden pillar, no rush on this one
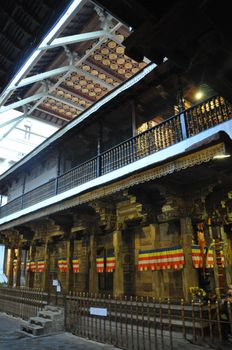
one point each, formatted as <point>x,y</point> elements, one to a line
<point>228,262</point>
<point>18,267</point>
<point>157,276</point>
<point>93,277</point>
<point>69,273</point>
<point>45,278</point>
<point>190,275</point>
<point>10,271</point>
<point>118,273</point>
<point>30,279</point>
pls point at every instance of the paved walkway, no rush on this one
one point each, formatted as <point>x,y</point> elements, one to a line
<point>11,339</point>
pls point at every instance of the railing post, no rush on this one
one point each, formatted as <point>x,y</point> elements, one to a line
<point>183,125</point>
<point>56,185</point>
<point>23,190</point>
<point>22,201</point>
<point>181,107</point>
<point>99,141</point>
<point>98,165</point>
<point>58,172</point>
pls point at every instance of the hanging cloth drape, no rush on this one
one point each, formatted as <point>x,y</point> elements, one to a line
<point>163,258</point>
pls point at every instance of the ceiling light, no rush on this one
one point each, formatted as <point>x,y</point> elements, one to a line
<point>199,95</point>
<point>221,156</point>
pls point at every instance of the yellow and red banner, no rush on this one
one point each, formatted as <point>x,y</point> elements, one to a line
<point>75,265</point>
<point>32,266</point>
<point>161,259</point>
<point>199,260</point>
<point>100,264</point>
<point>62,265</point>
<point>209,259</point>
<point>110,263</point>
<point>197,256</point>
<point>41,265</point>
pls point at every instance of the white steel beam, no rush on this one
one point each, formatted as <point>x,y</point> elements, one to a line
<point>69,103</point>
<point>11,121</point>
<point>67,70</point>
<point>64,19</point>
<point>53,114</point>
<point>11,128</point>
<point>72,39</point>
<point>42,76</point>
<point>77,63</point>
<point>22,102</point>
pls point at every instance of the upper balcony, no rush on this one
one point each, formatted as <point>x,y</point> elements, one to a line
<point>170,138</point>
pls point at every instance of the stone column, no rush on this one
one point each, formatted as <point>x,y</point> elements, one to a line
<point>190,275</point>
<point>118,273</point>
<point>93,277</point>
<point>10,271</point>
<point>18,267</point>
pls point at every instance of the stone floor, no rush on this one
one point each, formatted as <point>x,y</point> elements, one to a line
<point>11,339</point>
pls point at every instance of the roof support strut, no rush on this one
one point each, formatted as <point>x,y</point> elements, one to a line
<point>22,102</point>
<point>72,39</point>
<point>42,76</point>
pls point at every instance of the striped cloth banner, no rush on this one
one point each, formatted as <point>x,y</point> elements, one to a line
<point>209,259</point>
<point>110,263</point>
<point>41,265</point>
<point>75,265</point>
<point>62,264</point>
<point>197,256</point>
<point>32,266</point>
<point>163,258</point>
<point>100,264</point>
<point>198,260</point>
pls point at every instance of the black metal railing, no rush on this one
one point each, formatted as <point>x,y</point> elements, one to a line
<point>150,141</point>
<point>190,122</point>
<point>146,323</point>
<point>77,176</point>
<point>22,302</point>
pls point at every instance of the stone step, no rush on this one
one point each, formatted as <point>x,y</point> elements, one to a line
<point>48,321</point>
<point>31,328</point>
<point>54,309</point>
<point>40,321</point>
<point>50,315</point>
